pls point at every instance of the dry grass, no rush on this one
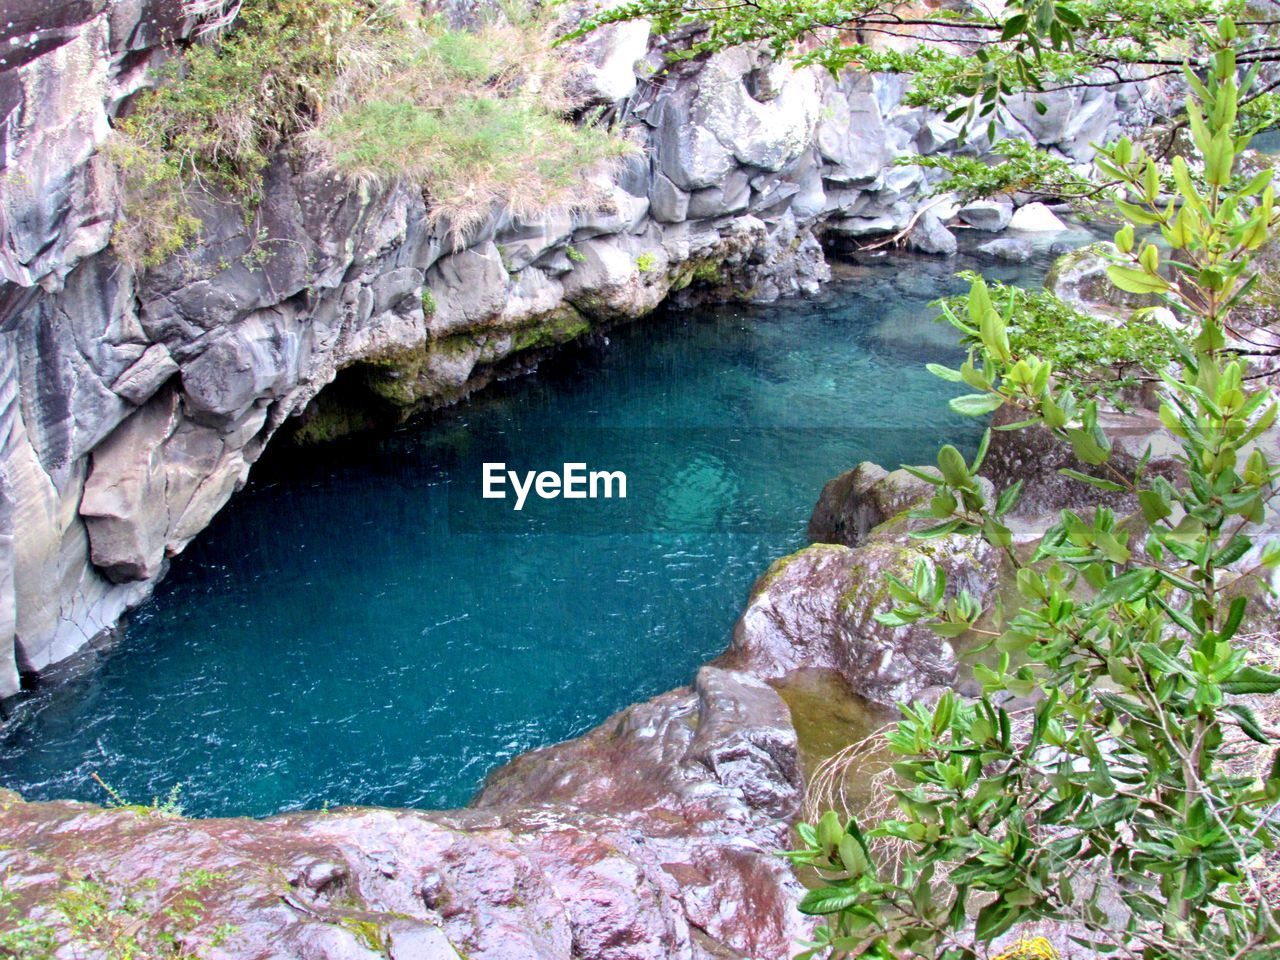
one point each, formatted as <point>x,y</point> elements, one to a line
<point>480,118</point>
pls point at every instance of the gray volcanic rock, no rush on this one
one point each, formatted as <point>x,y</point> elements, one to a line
<point>990,216</point>
<point>1008,249</point>
<point>929,235</point>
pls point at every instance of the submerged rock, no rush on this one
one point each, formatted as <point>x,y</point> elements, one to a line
<point>1009,249</point>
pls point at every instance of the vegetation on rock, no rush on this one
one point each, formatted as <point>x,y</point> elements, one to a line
<point>382,90</point>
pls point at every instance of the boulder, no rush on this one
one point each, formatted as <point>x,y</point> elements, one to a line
<point>766,130</point>
<point>731,196</point>
<point>990,216</point>
<point>667,202</point>
<point>851,135</point>
<point>468,288</point>
<point>146,375</point>
<point>816,608</point>
<point>929,235</point>
<point>1036,218</point>
<point>1008,249</point>
<point>690,155</point>
<point>1079,278</point>
<point>606,70</point>
<point>124,503</point>
<point>858,500</point>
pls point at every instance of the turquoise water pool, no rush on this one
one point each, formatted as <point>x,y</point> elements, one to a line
<point>361,626</point>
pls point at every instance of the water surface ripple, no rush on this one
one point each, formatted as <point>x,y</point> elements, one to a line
<point>359,626</point>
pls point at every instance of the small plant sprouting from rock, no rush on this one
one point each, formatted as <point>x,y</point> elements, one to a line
<point>574,254</point>
<point>111,920</point>
<point>429,306</point>
<point>1114,801</point>
<point>170,806</point>
<point>646,262</point>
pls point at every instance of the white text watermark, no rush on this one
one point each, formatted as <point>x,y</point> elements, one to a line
<point>573,482</point>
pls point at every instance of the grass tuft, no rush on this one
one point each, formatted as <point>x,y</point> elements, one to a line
<point>481,119</point>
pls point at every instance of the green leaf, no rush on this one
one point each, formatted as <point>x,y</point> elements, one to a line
<point>1238,546</point>
<point>1249,722</point>
<point>937,530</point>
<point>1087,448</point>
<point>1092,481</point>
<point>1251,679</point>
<point>825,900</point>
<point>1136,281</point>
<point>1235,614</point>
<point>1157,659</point>
<point>1109,812</point>
<point>1008,499</point>
<point>994,919</point>
<point>924,474</point>
<point>952,466</point>
<point>946,373</point>
<point>1128,586</point>
<point>1154,507</point>
<point>976,404</point>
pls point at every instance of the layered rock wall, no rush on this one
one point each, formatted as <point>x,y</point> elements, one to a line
<point>133,404</point>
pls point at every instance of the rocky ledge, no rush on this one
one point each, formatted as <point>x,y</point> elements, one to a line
<point>134,402</point>
<point>652,836</point>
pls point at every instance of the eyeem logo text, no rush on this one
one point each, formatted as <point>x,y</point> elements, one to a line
<point>574,482</point>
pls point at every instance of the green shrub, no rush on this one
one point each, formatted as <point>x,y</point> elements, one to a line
<point>476,118</point>
<point>112,920</point>
<point>1102,357</point>
<point>219,110</point>
<point>1134,795</point>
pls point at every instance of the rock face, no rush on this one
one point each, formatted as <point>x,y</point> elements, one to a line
<point>133,404</point>
<point>817,607</point>
<point>653,836</point>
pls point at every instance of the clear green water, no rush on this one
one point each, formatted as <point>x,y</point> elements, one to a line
<point>359,626</point>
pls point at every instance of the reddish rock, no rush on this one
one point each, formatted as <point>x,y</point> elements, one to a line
<point>651,837</point>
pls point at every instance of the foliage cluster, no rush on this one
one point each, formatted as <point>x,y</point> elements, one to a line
<point>381,88</point>
<point>1104,358</point>
<point>1111,800</point>
<point>1019,167</point>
